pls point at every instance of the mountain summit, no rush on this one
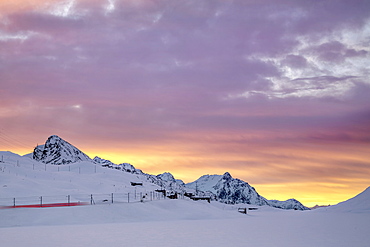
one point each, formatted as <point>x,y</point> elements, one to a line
<point>57,151</point>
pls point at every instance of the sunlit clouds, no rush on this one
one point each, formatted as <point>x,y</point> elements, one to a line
<point>275,92</point>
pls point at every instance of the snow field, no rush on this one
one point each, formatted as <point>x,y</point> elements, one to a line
<point>161,222</point>
<point>180,223</point>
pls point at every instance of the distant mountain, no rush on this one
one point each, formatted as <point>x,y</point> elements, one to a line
<point>319,206</point>
<point>168,182</point>
<point>358,204</point>
<point>168,177</point>
<point>288,204</point>
<point>228,189</point>
<point>231,190</point>
<point>57,151</point>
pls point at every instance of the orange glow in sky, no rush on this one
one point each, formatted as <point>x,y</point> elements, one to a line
<point>313,175</point>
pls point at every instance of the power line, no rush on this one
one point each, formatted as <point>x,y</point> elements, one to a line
<point>11,141</point>
<point>24,137</point>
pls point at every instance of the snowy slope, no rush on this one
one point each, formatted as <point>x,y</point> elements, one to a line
<point>58,152</point>
<point>22,177</point>
<point>180,223</point>
<point>358,204</point>
<point>163,181</point>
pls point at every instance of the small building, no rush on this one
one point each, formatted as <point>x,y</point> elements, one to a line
<point>136,184</point>
<point>197,198</point>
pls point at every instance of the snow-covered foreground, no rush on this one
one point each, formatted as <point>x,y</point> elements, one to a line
<point>180,223</point>
<point>161,222</point>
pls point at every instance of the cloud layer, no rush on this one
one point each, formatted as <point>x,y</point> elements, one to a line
<point>276,91</point>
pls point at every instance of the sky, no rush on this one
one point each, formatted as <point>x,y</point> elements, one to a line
<point>276,92</point>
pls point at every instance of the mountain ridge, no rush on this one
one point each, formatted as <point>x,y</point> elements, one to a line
<point>223,188</point>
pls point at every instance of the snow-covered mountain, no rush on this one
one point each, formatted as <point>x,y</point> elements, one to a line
<point>168,177</point>
<point>228,189</point>
<point>231,190</point>
<point>223,188</point>
<point>57,151</point>
<point>288,204</point>
<point>170,183</point>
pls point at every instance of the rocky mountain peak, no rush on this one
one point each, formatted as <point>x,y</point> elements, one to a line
<point>227,176</point>
<point>53,140</point>
<point>57,151</point>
